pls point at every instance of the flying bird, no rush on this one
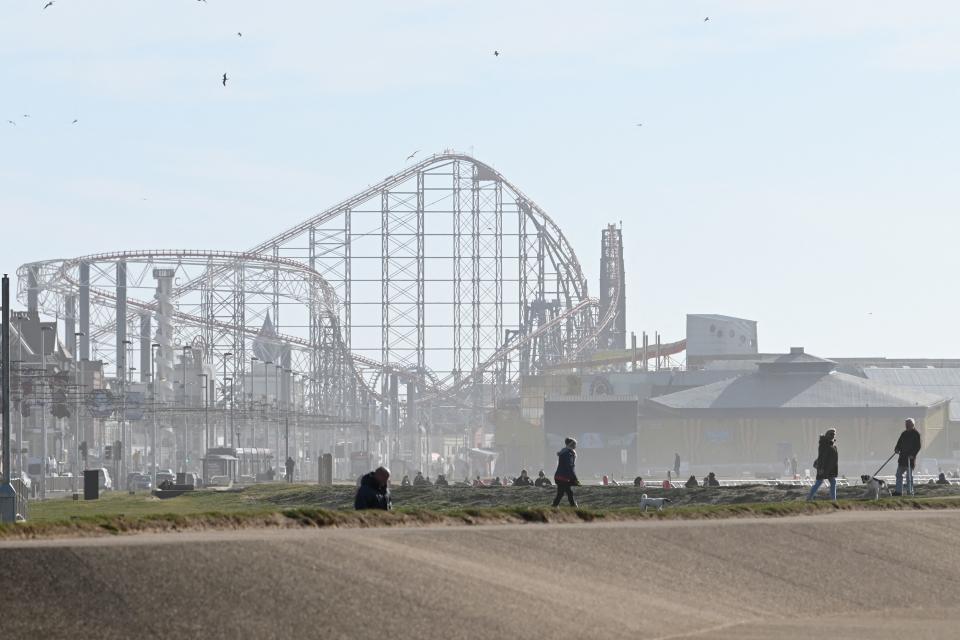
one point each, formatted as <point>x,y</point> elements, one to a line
<point>639,124</point>
<point>496,53</point>
<point>12,122</point>
<point>26,115</point>
<point>410,157</point>
<point>707,19</point>
<point>75,121</point>
<point>239,35</point>
<point>49,4</point>
<point>225,78</point>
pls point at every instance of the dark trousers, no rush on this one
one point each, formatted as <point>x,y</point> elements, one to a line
<point>564,488</point>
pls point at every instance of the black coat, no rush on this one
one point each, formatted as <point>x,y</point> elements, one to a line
<point>370,495</point>
<point>828,460</point>
<point>908,446</point>
<point>566,467</point>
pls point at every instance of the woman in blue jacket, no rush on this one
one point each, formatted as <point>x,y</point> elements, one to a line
<point>566,474</point>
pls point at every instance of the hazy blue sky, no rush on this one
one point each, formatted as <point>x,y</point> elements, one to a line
<point>797,162</point>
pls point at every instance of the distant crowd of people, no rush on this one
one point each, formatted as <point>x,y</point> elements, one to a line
<point>374,493</point>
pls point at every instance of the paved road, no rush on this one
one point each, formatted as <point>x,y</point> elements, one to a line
<point>837,576</point>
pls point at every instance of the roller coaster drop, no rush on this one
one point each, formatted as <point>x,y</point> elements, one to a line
<point>429,295</point>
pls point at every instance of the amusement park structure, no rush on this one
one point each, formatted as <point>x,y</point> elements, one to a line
<point>417,304</point>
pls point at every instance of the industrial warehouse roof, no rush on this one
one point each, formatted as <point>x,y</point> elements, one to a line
<point>941,382</point>
<point>798,381</point>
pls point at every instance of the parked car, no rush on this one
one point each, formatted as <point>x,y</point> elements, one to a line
<point>139,481</point>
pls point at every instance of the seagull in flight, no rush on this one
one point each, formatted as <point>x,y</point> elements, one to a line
<point>12,122</point>
<point>239,35</point>
<point>49,4</point>
<point>26,115</point>
<point>639,124</point>
<point>410,157</point>
<point>75,121</point>
<point>496,53</point>
<point>707,19</point>
<point>225,78</point>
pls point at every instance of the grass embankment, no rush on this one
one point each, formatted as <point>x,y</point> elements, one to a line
<point>298,506</point>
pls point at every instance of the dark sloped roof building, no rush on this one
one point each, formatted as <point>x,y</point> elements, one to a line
<point>756,420</point>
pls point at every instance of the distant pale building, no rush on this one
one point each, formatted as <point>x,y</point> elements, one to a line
<point>760,418</point>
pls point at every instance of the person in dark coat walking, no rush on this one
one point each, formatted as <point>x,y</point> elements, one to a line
<point>827,464</point>
<point>908,446</point>
<point>566,474</point>
<point>676,464</point>
<point>374,491</point>
<point>289,466</point>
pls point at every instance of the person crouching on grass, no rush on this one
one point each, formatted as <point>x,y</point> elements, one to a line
<point>827,464</point>
<point>566,475</point>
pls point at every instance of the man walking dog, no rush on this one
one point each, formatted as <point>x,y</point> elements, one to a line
<point>908,446</point>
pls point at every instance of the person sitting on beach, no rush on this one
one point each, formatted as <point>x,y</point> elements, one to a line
<point>405,482</point>
<point>419,480</point>
<point>478,482</point>
<point>692,483</point>
<point>442,481</point>
<point>638,482</point>
<point>496,482</point>
<point>942,479</point>
<point>523,480</point>
<point>542,480</point>
<point>712,480</point>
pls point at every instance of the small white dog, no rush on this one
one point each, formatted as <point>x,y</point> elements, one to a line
<point>653,502</point>
<point>873,487</point>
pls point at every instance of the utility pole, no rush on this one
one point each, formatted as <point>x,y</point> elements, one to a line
<point>8,495</point>
<point>153,403</point>
<point>76,408</point>
<point>206,415</point>
<point>122,464</point>
<point>43,411</point>
<point>228,354</point>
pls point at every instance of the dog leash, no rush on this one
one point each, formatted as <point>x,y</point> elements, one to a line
<point>884,464</point>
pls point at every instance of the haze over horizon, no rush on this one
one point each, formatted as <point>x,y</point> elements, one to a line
<point>793,166</point>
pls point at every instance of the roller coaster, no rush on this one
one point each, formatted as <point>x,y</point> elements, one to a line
<point>436,289</point>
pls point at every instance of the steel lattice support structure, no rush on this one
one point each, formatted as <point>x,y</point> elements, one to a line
<point>444,275</point>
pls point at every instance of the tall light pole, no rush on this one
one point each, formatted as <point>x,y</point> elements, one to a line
<point>228,354</point>
<point>153,403</point>
<point>228,423</point>
<point>253,402</point>
<point>206,415</point>
<point>76,409</point>
<point>43,409</point>
<point>266,395</point>
<point>124,459</point>
<point>183,454</point>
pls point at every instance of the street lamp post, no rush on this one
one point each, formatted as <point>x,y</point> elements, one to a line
<point>153,403</point>
<point>183,453</point>
<point>76,409</point>
<point>266,394</point>
<point>228,420</point>
<point>253,403</point>
<point>124,458</point>
<point>206,415</point>
<point>43,410</point>
<point>228,354</point>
